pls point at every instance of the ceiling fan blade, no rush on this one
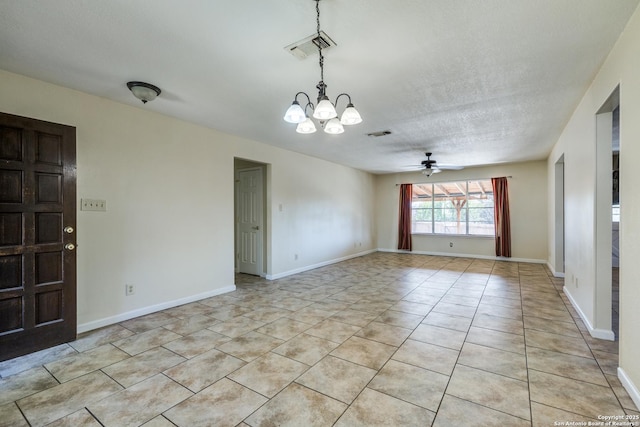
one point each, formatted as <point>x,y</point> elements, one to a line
<point>450,167</point>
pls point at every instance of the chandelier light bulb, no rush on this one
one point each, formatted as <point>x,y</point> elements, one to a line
<point>334,127</point>
<point>306,127</point>
<point>350,116</point>
<point>295,113</point>
<point>325,110</point>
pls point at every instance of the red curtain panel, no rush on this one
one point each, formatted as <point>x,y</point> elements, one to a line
<point>404,227</point>
<point>502,220</point>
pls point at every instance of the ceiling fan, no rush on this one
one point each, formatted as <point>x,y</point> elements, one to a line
<point>430,166</point>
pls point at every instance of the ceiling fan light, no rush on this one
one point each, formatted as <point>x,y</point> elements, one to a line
<point>350,116</point>
<point>295,113</point>
<point>306,127</point>
<point>427,172</point>
<point>325,110</point>
<point>145,92</point>
<point>334,127</point>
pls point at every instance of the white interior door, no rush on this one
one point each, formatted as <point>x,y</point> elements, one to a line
<point>250,221</point>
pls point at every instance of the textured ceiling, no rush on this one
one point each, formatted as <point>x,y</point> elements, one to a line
<point>475,82</point>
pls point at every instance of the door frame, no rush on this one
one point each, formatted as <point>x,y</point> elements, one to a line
<point>241,164</point>
<point>559,217</point>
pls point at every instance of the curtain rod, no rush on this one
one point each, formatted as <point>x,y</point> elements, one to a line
<point>440,182</point>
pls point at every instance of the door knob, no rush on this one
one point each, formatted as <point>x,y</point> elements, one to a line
<point>257,227</point>
<point>69,246</point>
<point>68,229</point>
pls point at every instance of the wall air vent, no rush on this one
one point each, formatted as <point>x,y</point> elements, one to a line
<point>379,133</point>
<point>309,45</point>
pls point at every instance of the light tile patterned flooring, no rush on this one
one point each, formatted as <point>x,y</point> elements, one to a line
<point>385,339</point>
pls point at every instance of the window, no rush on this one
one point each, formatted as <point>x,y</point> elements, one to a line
<point>461,207</point>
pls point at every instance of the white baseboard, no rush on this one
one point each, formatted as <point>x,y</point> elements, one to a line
<point>95,324</point>
<point>555,273</point>
<point>457,255</point>
<point>628,385</point>
<point>603,334</point>
<point>318,265</point>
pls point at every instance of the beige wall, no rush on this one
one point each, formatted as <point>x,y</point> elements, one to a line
<point>327,209</point>
<point>528,208</point>
<point>578,145</point>
<point>169,188</point>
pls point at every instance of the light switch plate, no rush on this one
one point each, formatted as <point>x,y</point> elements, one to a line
<point>93,205</point>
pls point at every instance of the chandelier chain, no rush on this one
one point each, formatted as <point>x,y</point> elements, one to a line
<point>318,41</point>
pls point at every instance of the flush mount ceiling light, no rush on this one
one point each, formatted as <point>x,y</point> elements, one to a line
<point>324,111</point>
<point>144,91</point>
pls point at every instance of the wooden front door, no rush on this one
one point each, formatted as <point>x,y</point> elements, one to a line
<point>37,235</point>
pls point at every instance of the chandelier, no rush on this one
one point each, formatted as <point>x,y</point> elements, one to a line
<point>325,111</point>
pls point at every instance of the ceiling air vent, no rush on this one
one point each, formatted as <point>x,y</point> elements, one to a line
<point>309,45</point>
<point>379,133</point>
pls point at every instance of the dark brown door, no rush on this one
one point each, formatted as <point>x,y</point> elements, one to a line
<point>37,235</point>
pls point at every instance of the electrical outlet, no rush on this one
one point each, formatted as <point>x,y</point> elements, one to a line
<point>295,257</point>
<point>129,289</point>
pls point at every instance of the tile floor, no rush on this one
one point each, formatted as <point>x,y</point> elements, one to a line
<point>385,339</point>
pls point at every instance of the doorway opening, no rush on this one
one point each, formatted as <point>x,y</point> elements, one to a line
<point>607,215</point>
<point>559,218</point>
<point>251,217</point>
<point>615,225</point>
